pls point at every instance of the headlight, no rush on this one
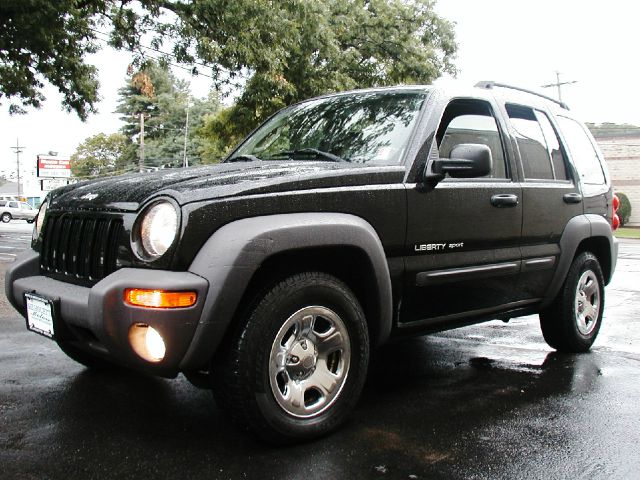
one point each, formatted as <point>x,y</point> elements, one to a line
<point>40,219</point>
<point>157,229</point>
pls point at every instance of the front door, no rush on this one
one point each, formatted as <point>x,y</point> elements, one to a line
<point>463,237</point>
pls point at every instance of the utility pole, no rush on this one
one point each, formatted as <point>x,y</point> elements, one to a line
<point>18,149</point>
<point>558,84</point>
<point>141,160</point>
<point>185,161</point>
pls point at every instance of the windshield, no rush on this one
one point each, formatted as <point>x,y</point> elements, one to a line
<point>369,127</point>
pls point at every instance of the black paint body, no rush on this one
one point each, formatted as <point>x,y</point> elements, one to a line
<point>451,255</point>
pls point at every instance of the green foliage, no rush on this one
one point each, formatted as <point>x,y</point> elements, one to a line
<point>315,47</point>
<point>624,211</point>
<point>275,53</point>
<point>154,92</point>
<point>101,155</point>
<point>44,40</point>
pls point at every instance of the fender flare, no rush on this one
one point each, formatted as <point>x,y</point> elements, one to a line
<point>578,229</point>
<point>233,254</point>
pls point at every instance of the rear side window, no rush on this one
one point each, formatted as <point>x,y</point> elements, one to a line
<point>584,155</point>
<point>14,205</point>
<point>542,156</point>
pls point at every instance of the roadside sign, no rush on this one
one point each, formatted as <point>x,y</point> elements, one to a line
<point>53,167</point>
<point>48,184</point>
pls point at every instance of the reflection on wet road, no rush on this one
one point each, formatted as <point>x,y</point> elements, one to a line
<point>489,401</point>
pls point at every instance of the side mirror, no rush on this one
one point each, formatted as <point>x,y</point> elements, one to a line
<point>468,160</point>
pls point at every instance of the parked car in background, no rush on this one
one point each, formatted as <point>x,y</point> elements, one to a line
<point>14,210</point>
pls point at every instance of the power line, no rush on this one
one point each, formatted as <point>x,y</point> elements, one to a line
<point>146,47</point>
<point>165,54</point>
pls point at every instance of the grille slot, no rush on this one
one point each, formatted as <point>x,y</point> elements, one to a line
<point>80,248</point>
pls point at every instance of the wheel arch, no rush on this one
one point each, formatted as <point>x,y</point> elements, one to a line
<point>348,263</point>
<point>584,233</point>
<point>244,254</point>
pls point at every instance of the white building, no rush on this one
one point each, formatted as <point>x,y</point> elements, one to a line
<point>620,145</point>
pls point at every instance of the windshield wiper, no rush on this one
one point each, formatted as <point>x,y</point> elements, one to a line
<point>318,153</point>
<point>243,158</point>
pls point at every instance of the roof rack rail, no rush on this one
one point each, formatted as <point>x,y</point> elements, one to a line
<point>488,84</point>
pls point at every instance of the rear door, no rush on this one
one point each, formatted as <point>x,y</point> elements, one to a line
<point>463,236</point>
<point>551,195</point>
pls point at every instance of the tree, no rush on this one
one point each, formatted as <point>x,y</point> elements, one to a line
<point>101,155</point>
<point>347,45</point>
<point>44,40</point>
<point>282,51</point>
<point>624,211</point>
<point>164,100</point>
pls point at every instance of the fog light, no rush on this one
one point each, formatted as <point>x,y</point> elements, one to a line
<point>147,342</point>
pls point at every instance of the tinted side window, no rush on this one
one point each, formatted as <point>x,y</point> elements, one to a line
<point>471,121</point>
<point>583,153</point>
<point>534,151</point>
<point>553,146</point>
<point>14,205</point>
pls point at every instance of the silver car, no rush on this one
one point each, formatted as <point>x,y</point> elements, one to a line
<point>10,210</point>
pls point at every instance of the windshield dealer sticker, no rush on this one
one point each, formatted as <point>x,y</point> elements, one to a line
<point>437,247</point>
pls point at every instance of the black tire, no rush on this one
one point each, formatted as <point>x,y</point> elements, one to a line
<point>31,220</point>
<point>571,324</point>
<point>6,217</point>
<point>301,323</point>
<point>86,359</point>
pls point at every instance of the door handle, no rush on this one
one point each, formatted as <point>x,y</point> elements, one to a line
<point>572,198</point>
<point>504,200</point>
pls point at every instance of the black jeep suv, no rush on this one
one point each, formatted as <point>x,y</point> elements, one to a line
<point>341,222</point>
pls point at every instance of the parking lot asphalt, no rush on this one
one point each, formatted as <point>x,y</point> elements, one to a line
<point>488,401</point>
<point>14,237</point>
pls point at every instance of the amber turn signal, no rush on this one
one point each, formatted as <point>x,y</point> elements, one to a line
<point>159,298</point>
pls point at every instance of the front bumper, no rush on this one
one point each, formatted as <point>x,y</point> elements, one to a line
<point>97,319</point>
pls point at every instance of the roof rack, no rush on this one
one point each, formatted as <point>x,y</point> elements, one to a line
<point>488,84</point>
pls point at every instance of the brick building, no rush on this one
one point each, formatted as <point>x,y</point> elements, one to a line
<point>620,145</point>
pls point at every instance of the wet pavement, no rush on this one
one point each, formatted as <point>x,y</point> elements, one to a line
<point>489,401</point>
<point>15,236</point>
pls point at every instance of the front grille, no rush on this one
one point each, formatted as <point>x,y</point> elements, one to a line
<point>80,248</point>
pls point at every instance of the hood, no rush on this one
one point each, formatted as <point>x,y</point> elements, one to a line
<point>128,192</point>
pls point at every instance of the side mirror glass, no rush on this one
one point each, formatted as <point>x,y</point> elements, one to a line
<point>468,160</point>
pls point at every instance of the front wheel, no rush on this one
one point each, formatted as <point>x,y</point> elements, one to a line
<point>6,217</point>
<point>297,366</point>
<point>572,322</point>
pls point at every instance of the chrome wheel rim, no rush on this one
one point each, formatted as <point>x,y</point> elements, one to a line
<point>587,303</point>
<point>309,361</point>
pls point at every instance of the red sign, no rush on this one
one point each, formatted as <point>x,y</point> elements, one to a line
<point>53,167</point>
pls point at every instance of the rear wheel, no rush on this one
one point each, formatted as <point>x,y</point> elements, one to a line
<point>296,367</point>
<point>6,217</point>
<point>572,322</point>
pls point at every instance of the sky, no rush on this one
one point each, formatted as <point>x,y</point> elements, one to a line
<point>523,42</point>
